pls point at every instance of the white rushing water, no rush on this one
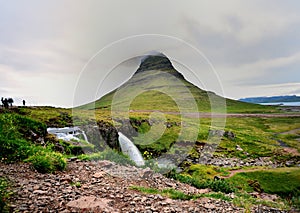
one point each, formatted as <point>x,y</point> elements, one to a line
<point>131,150</point>
<point>68,133</point>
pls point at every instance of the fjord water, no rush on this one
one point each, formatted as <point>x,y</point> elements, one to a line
<point>128,148</point>
<point>283,103</point>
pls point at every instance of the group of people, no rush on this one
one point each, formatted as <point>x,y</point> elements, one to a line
<point>6,102</point>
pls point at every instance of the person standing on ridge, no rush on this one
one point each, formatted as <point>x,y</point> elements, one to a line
<point>5,103</point>
<point>24,102</point>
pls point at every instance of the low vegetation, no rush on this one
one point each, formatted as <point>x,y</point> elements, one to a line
<point>169,192</point>
<point>5,194</point>
<point>18,142</point>
<point>46,161</point>
<point>108,154</point>
<point>285,182</point>
<point>202,178</point>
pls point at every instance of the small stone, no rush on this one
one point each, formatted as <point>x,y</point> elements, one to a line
<point>39,192</point>
<point>289,163</point>
<point>209,206</point>
<point>159,197</point>
<point>36,187</point>
<point>143,199</point>
<point>99,174</point>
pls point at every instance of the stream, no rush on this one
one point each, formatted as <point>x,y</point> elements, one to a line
<point>68,133</point>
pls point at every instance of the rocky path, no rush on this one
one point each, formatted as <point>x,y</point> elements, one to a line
<point>103,186</point>
<point>233,172</point>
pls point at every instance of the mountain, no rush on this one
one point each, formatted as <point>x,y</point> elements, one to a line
<point>157,85</point>
<point>273,99</point>
<point>158,62</point>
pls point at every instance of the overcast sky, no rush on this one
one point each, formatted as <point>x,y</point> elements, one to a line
<point>46,47</point>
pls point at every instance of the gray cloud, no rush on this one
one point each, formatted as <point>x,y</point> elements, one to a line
<point>47,43</point>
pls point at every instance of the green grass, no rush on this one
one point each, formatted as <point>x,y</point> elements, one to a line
<point>257,136</point>
<point>108,154</point>
<point>77,184</point>
<point>168,192</point>
<point>14,139</point>
<point>246,201</point>
<point>46,161</point>
<point>17,135</point>
<point>51,116</point>
<point>201,177</point>
<point>283,181</point>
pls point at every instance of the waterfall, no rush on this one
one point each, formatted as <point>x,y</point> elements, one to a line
<point>84,136</point>
<point>68,133</point>
<point>130,149</point>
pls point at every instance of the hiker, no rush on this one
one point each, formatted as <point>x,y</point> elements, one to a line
<point>24,102</point>
<point>5,103</point>
<point>10,101</point>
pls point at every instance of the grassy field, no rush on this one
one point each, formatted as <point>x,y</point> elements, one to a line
<point>282,181</point>
<point>257,136</point>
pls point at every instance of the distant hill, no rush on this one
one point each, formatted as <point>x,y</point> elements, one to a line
<point>273,99</point>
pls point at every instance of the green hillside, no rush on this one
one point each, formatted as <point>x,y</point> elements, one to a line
<point>157,85</point>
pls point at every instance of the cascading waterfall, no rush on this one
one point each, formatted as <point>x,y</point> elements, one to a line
<point>131,150</point>
<point>68,133</point>
<point>84,136</point>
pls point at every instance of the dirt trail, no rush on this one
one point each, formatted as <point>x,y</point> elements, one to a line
<point>233,172</point>
<point>238,115</point>
<point>293,131</point>
<point>286,148</point>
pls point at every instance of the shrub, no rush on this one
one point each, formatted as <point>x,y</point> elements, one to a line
<point>14,150</point>
<point>222,185</point>
<point>14,144</point>
<point>47,162</point>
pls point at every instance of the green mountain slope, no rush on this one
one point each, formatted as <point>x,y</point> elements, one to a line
<point>157,85</point>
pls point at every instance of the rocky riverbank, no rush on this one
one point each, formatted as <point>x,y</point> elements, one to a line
<point>103,186</point>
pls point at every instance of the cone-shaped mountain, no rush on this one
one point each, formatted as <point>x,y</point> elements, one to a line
<point>151,70</point>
